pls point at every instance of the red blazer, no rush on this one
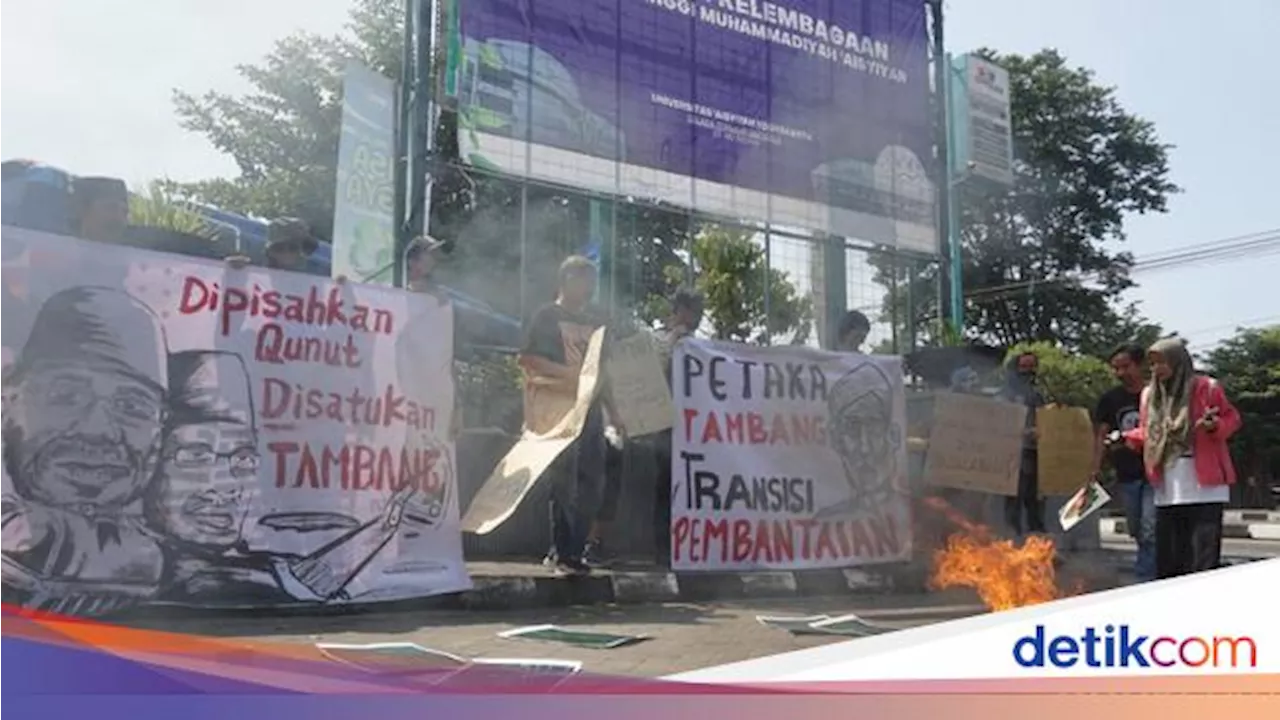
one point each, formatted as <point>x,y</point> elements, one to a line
<point>1213,458</point>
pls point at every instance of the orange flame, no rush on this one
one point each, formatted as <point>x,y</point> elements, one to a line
<point>1004,574</point>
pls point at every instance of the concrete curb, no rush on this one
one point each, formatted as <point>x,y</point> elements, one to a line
<point>534,587</point>
<point>1230,530</point>
<point>522,592</point>
<point>1231,516</point>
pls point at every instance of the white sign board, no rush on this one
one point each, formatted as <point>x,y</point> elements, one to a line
<point>178,431</point>
<point>985,144</point>
<point>787,458</point>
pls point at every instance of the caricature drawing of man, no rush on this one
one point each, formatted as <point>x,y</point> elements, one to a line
<point>863,433</point>
<point>207,482</point>
<point>84,410</point>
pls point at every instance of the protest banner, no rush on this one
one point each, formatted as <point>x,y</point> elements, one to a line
<point>638,385</point>
<point>177,431</point>
<point>528,460</point>
<point>975,444</point>
<point>787,458</point>
<point>1066,449</point>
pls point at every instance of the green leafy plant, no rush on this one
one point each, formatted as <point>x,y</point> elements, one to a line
<point>1067,378</point>
<point>158,207</point>
<point>1038,263</point>
<point>746,301</point>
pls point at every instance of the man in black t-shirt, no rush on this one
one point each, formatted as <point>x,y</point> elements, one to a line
<point>1117,411</point>
<point>554,349</point>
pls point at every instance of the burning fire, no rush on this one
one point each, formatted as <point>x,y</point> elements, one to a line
<point>1004,574</point>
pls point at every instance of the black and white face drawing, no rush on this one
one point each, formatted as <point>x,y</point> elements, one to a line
<point>862,431</point>
<point>209,464</point>
<point>85,401</point>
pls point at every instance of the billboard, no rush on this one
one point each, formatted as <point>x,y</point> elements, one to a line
<point>981,130</point>
<point>804,113</point>
<point>364,198</point>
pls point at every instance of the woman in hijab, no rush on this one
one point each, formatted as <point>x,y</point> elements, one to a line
<point>1186,421</point>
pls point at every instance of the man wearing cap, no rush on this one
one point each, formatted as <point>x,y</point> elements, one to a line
<point>84,411</point>
<point>421,259</point>
<point>289,245</point>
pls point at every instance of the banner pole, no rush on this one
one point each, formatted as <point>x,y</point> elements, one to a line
<point>403,119</point>
<point>954,177</point>
<point>422,121</point>
<point>940,70</point>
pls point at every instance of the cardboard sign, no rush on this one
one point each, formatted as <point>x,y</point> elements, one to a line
<point>1066,449</point>
<point>975,444</point>
<point>638,386</point>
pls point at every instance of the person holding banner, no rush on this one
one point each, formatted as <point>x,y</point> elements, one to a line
<point>101,208</point>
<point>421,259</point>
<point>289,245</point>
<point>686,315</point>
<point>853,331</point>
<point>1184,425</point>
<point>1118,412</point>
<point>555,346</point>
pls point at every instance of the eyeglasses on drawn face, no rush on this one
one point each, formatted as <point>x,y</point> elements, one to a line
<point>244,461</point>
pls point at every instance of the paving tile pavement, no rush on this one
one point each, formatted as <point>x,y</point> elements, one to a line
<point>684,636</point>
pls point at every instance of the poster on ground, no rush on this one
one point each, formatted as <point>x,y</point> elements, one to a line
<point>975,444</point>
<point>553,421</point>
<point>787,458</point>
<point>177,431</point>
<point>739,108</point>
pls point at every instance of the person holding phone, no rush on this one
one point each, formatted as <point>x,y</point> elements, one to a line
<point>1117,412</point>
<point>1184,425</point>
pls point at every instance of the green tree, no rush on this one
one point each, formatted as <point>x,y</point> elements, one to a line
<point>1248,365</point>
<point>1037,266</point>
<point>283,136</point>
<point>746,301</point>
<point>1067,378</point>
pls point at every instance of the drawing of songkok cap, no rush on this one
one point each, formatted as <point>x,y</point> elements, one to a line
<point>207,386</point>
<point>864,392</point>
<point>102,328</point>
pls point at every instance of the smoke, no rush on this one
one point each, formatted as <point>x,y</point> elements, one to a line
<point>493,261</point>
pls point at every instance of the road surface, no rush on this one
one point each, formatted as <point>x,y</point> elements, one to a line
<point>684,636</point>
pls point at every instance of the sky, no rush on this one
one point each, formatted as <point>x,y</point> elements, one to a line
<point>87,86</point>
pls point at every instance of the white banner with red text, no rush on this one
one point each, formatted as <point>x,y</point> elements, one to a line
<point>787,458</point>
<point>179,431</point>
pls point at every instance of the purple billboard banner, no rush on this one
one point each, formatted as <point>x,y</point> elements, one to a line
<point>803,113</point>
